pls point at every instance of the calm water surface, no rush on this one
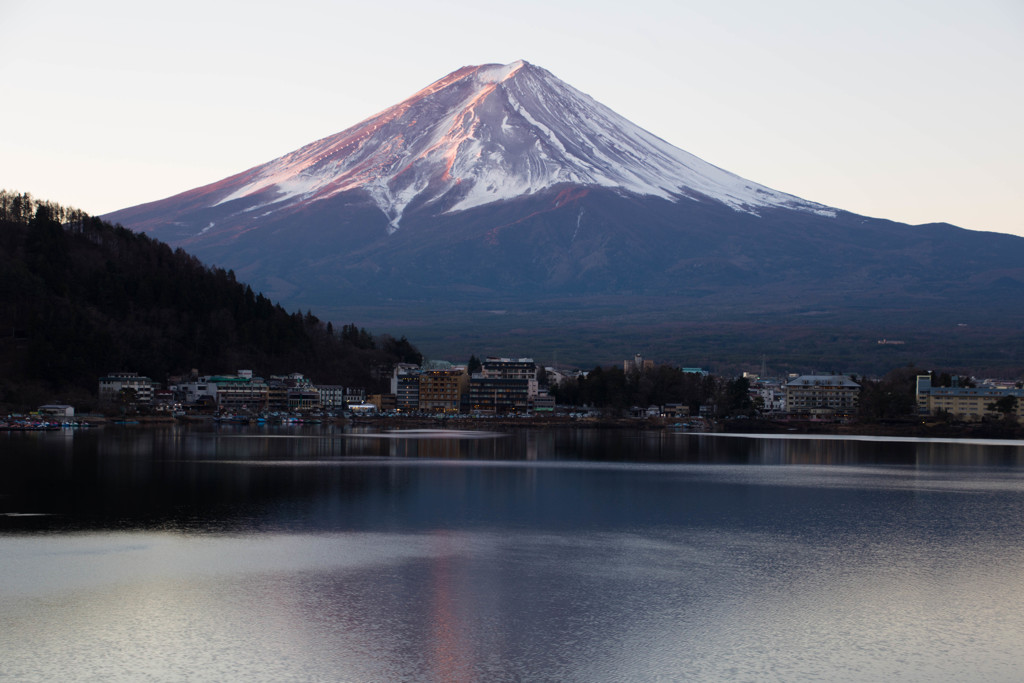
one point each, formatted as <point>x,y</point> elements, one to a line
<point>563,555</point>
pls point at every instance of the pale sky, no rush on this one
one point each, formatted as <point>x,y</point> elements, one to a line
<point>910,110</point>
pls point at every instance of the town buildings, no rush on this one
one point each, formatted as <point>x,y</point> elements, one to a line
<point>502,386</point>
<point>246,393</point>
<point>970,404</point>
<point>512,386</point>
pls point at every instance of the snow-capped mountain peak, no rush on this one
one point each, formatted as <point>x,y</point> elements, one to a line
<point>487,133</point>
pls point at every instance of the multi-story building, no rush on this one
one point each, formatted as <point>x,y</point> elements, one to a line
<point>822,395</point>
<point>277,393</point>
<point>405,385</point>
<point>504,385</point>
<point>637,364</point>
<point>195,390</point>
<point>964,403</point>
<point>112,384</point>
<point>241,392</point>
<point>441,387</point>
<point>332,396</point>
<point>354,396</point>
<point>497,395</point>
<point>303,397</point>
<point>771,393</point>
<point>544,402</point>
<point>233,393</point>
<point>407,393</point>
<point>385,402</point>
<point>164,401</point>
<point>675,410</point>
<point>294,392</point>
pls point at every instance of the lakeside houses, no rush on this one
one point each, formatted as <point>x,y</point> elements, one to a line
<point>510,386</point>
<point>970,404</point>
<point>675,411</point>
<point>245,392</point>
<point>503,386</point>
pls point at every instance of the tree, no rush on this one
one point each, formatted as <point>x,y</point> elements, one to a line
<point>401,350</point>
<point>126,399</point>
<point>82,296</point>
<point>893,396</point>
<point>736,398</point>
<point>1007,405</point>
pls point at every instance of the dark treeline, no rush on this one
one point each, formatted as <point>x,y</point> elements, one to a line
<point>21,207</point>
<point>80,298</point>
<point>615,389</point>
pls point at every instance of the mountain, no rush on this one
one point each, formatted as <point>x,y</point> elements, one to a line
<point>501,207</point>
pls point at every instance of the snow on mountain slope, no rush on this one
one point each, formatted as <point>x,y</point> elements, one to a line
<point>487,133</point>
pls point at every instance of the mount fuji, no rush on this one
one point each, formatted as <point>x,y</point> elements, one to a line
<point>500,209</point>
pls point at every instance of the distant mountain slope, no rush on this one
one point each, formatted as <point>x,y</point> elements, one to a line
<point>502,188</point>
<point>86,299</point>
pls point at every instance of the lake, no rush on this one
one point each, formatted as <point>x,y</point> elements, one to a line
<point>318,554</point>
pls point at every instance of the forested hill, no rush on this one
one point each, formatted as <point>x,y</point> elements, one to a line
<point>80,298</point>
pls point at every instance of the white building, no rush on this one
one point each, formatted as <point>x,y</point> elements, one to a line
<point>192,392</point>
<point>772,395</point>
<point>56,410</point>
<point>112,385</point>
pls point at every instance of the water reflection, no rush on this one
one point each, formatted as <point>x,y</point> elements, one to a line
<point>328,479</point>
<point>534,555</point>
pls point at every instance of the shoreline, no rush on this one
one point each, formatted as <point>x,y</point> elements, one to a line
<point>894,428</point>
<point>909,428</point>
